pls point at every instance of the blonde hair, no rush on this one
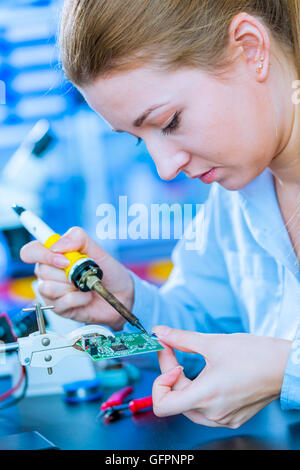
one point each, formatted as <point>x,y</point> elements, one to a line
<point>101,36</point>
<point>98,37</point>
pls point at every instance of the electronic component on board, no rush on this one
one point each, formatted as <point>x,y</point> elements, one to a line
<point>121,345</point>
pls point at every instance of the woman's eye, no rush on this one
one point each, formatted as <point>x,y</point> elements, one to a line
<point>174,124</point>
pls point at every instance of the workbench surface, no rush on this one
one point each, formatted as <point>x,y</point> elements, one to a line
<point>76,426</point>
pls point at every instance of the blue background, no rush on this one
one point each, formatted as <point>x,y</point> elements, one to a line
<point>89,164</point>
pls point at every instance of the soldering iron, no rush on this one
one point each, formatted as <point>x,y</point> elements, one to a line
<point>82,271</point>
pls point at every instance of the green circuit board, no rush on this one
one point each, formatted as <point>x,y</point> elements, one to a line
<point>121,345</point>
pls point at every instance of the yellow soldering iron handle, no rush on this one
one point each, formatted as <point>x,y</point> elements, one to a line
<point>72,256</point>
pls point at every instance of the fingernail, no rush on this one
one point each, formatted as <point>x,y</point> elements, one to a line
<point>162,331</point>
<point>178,367</point>
<point>61,261</point>
<point>173,369</point>
<point>60,244</point>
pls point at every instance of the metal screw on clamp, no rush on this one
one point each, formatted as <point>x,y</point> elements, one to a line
<point>45,342</point>
<point>38,309</point>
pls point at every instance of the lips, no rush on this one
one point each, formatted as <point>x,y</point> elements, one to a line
<point>208,177</point>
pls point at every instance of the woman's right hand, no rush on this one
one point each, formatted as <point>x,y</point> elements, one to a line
<point>68,301</point>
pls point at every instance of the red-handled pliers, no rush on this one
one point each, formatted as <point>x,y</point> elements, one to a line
<point>110,409</point>
<point>116,398</point>
<point>135,405</point>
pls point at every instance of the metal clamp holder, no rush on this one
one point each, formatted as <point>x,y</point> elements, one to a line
<point>38,309</point>
<point>45,348</point>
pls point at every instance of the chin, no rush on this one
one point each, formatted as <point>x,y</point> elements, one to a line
<point>234,184</point>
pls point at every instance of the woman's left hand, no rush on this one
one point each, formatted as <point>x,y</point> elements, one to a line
<point>243,374</point>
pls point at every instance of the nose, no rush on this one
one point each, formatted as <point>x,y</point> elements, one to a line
<point>169,166</point>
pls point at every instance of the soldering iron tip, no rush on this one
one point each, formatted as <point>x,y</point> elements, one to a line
<point>18,209</point>
<point>140,326</point>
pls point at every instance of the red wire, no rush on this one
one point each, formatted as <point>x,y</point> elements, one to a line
<point>15,388</point>
<point>18,385</point>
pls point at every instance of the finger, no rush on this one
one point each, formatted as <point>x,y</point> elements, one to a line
<point>76,239</point>
<point>186,341</point>
<point>167,402</point>
<point>71,301</point>
<point>167,361</point>
<point>46,272</point>
<point>162,389</point>
<point>35,252</point>
<point>167,358</point>
<point>53,290</point>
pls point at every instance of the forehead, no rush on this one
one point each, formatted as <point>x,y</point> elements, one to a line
<point>125,95</point>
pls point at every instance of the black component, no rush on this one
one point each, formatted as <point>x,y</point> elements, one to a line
<point>118,347</point>
<point>112,339</point>
<point>94,350</point>
<point>18,209</point>
<point>81,270</point>
<point>140,345</point>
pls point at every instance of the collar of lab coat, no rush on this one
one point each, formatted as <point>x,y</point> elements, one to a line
<point>262,212</point>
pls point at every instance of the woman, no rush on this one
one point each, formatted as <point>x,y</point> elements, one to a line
<point>208,86</point>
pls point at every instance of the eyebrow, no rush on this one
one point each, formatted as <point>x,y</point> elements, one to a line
<point>139,121</point>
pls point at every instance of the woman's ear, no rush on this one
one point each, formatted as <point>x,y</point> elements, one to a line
<point>248,34</point>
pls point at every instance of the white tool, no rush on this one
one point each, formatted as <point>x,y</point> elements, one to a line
<point>46,348</point>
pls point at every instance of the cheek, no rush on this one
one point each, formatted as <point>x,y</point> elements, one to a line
<point>215,126</point>
<point>237,132</point>
<point>238,129</point>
